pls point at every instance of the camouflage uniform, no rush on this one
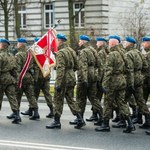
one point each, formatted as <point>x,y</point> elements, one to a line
<point>138,64</point>
<point>28,81</point>
<point>8,82</point>
<point>87,79</point>
<point>43,84</point>
<point>146,84</point>
<point>66,65</point>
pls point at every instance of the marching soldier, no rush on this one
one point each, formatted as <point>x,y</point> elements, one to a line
<point>66,65</point>
<point>28,81</point>
<point>114,85</point>
<point>41,83</point>
<point>102,55</point>
<point>7,79</point>
<point>87,77</point>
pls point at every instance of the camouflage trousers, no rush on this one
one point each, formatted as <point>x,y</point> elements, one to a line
<point>88,92</point>
<point>142,107</point>
<point>115,96</point>
<point>10,91</point>
<point>66,92</point>
<point>28,89</point>
<point>146,89</point>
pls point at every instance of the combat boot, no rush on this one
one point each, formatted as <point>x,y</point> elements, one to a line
<point>147,132</point>
<point>120,124</point>
<point>94,117</point>
<point>134,112</point>
<point>130,126</point>
<point>11,116</point>
<point>51,114</point>
<point>104,127</point>
<point>146,125</point>
<point>74,122</point>
<point>55,124</point>
<point>100,120</point>
<point>17,118</point>
<point>28,112</point>
<point>36,115</point>
<point>80,122</point>
<point>117,118</point>
<point>138,119</point>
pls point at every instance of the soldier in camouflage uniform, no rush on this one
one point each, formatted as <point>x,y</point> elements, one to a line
<point>115,68</point>
<point>7,79</point>
<point>41,83</point>
<point>28,81</point>
<point>146,46</point>
<point>87,77</point>
<point>138,64</point>
<point>102,55</point>
<point>66,65</point>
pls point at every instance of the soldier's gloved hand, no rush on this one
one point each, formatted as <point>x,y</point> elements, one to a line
<point>131,89</point>
<point>58,88</point>
<point>85,84</point>
<point>104,90</point>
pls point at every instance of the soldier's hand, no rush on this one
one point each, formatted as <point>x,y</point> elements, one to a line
<point>85,84</point>
<point>131,89</point>
<point>104,90</point>
<point>58,88</point>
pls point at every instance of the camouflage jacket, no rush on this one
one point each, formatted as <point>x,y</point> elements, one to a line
<point>21,57</point>
<point>102,55</point>
<point>87,63</point>
<point>66,65</point>
<point>114,78</point>
<point>7,67</point>
<point>137,64</point>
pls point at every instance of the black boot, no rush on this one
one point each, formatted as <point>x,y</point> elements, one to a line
<point>104,127</point>
<point>36,115</point>
<point>11,116</point>
<point>120,124</point>
<point>94,117</point>
<point>80,122</point>
<point>51,114</point>
<point>17,118</point>
<point>100,120</point>
<point>147,132</point>
<point>134,112</point>
<point>74,122</point>
<point>55,124</point>
<point>117,118</point>
<point>130,126</point>
<point>146,125</point>
<point>138,119</point>
<point>28,112</point>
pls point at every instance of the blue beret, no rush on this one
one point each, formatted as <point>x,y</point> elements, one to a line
<point>84,37</point>
<point>21,40</point>
<point>62,37</point>
<point>130,39</point>
<point>4,41</point>
<point>36,39</point>
<point>100,39</point>
<point>146,38</point>
<point>114,37</point>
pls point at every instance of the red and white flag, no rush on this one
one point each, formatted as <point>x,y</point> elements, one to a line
<point>43,51</point>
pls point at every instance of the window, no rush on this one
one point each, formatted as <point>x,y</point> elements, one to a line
<point>22,16</point>
<point>48,15</point>
<point>79,14</point>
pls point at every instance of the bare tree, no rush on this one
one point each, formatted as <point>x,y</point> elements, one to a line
<point>134,24</point>
<point>71,21</point>
<point>7,8</point>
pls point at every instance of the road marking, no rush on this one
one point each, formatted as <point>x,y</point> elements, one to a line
<point>41,146</point>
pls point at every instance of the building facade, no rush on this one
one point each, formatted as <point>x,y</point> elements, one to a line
<point>97,17</point>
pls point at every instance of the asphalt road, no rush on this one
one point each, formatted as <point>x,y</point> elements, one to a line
<point>32,135</point>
